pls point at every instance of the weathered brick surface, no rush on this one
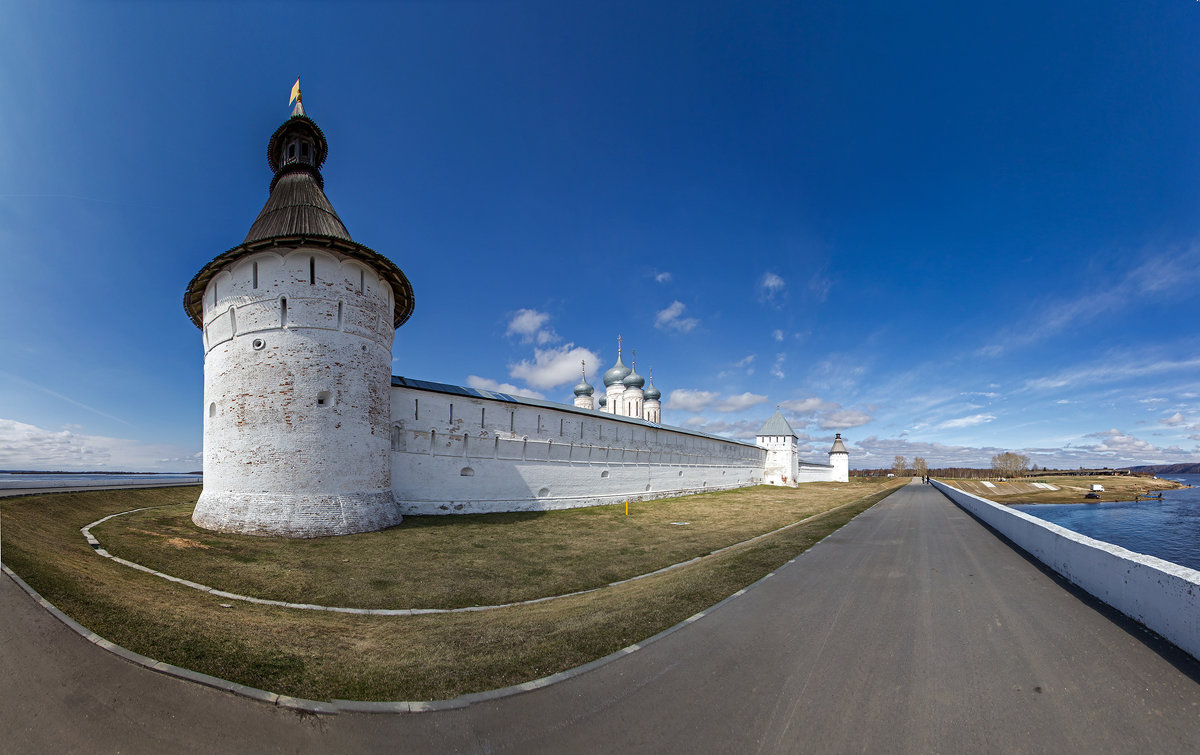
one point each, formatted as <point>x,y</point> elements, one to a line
<point>297,372</point>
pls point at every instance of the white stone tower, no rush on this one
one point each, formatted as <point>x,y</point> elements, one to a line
<point>839,459</point>
<point>783,451</point>
<point>298,322</point>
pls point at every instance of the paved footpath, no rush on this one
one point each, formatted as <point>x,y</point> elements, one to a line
<point>911,629</point>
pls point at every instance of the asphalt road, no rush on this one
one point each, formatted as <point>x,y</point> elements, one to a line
<point>911,629</point>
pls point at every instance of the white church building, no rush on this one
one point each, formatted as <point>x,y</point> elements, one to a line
<point>307,433</point>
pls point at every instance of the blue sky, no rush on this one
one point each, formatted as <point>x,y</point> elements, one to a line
<point>944,229</point>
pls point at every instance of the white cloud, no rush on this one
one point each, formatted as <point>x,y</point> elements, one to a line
<point>552,367</point>
<point>24,446</point>
<point>662,278</point>
<point>672,318</point>
<point>739,403</point>
<point>745,361</point>
<point>971,421</point>
<point>808,406</point>
<point>1175,419</point>
<point>777,368</point>
<point>687,400</point>
<point>488,384</point>
<point>529,325</point>
<point>843,419</point>
<point>771,287</point>
<point>777,334</point>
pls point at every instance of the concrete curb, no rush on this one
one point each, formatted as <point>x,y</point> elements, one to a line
<point>366,706</point>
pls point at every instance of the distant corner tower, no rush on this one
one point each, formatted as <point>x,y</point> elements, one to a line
<point>298,322</point>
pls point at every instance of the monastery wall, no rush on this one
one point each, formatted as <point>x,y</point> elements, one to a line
<point>466,454</point>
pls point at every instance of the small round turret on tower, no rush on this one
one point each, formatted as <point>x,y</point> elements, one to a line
<point>297,324</point>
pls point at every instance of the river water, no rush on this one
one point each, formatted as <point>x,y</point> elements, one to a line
<point>1168,529</point>
<point>9,481</point>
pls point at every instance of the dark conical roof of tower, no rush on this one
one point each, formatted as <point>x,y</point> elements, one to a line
<point>298,214</point>
<point>297,205</point>
<point>838,446</point>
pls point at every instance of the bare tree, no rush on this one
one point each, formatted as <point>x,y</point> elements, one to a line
<point>919,467</point>
<point>900,466</point>
<point>1009,464</point>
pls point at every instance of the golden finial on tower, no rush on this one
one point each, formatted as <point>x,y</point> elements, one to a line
<point>618,347</point>
<point>634,360</point>
<point>583,368</point>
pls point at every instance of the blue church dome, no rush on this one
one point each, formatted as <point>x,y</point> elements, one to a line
<point>616,373</point>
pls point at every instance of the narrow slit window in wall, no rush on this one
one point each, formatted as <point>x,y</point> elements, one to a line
<point>212,409</point>
<point>339,315</point>
<point>512,422</point>
<point>283,312</point>
<point>452,412</point>
<point>233,320</point>
<point>416,408</point>
<point>362,278</point>
<point>254,274</point>
<point>482,415</point>
<point>539,425</point>
<point>562,424</point>
<point>312,271</point>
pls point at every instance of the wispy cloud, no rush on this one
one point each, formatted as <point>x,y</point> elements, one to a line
<point>1108,372</point>
<point>672,318</point>
<point>971,421</point>
<point>662,277</point>
<point>771,288</point>
<point>1161,274</point>
<point>777,367</point>
<point>61,397</point>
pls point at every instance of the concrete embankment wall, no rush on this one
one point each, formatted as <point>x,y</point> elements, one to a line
<point>1161,595</point>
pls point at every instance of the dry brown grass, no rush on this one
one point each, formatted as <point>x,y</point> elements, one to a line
<point>320,655</point>
<point>1070,489</point>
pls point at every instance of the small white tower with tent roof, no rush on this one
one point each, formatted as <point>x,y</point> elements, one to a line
<point>783,451</point>
<point>839,459</point>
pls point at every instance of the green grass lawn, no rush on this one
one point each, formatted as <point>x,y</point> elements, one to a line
<point>427,561</point>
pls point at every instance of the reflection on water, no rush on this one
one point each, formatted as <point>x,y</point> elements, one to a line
<point>1168,529</point>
